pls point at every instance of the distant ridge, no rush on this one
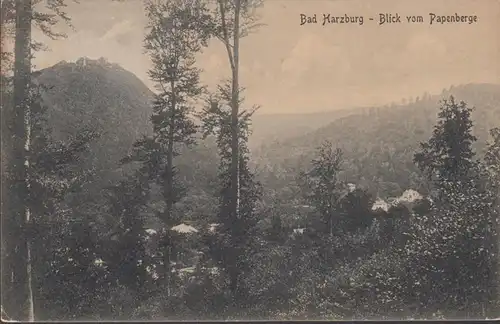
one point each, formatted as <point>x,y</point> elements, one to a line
<point>281,126</point>
<point>386,136</point>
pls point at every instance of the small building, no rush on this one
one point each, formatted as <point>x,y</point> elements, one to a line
<point>185,229</point>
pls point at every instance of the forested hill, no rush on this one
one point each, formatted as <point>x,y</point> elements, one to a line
<point>99,95</point>
<point>379,142</point>
<point>104,97</point>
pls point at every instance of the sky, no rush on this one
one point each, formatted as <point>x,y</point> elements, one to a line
<point>291,68</point>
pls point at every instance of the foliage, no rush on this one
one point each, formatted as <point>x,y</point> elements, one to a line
<point>451,247</point>
<point>492,157</point>
<point>448,154</point>
<point>232,245</point>
<point>53,175</point>
<point>323,188</point>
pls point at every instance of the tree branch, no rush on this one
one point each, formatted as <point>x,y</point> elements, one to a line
<point>225,34</point>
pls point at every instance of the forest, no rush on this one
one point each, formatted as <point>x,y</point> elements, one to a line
<point>185,203</point>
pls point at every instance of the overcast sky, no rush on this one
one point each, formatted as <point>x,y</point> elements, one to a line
<point>288,68</point>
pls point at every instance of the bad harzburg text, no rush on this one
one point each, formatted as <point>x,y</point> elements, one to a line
<point>387,18</point>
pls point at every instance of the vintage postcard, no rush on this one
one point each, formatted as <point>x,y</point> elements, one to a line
<point>250,160</point>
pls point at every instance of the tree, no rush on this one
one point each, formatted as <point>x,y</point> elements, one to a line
<point>322,188</point>
<point>45,15</point>
<point>232,245</point>
<point>454,236</point>
<point>52,174</point>
<point>124,254</point>
<point>176,35</point>
<point>492,159</point>
<point>234,19</point>
<point>23,298</point>
<point>177,32</point>
<point>7,222</point>
<point>448,155</point>
<point>23,14</point>
<point>356,207</point>
<point>7,18</point>
<point>276,232</point>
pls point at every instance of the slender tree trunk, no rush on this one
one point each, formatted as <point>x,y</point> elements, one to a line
<point>22,78</point>
<point>170,155</point>
<point>8,222</point>
<point>166,262</point>
<point>170,184</point>
<point>235,110</point>
<point>235,152</point>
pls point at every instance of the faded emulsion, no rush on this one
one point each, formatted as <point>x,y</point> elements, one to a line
<point>245,160</point>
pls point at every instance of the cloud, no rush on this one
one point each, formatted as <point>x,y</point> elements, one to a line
<point>122,28</point>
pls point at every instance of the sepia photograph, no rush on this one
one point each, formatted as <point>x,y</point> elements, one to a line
<point>244,160</point>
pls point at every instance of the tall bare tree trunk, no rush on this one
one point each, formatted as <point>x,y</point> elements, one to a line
<point>235,149</point>
<point>8,225</point>
<point>22,80</point>
<point>170,188</point>
<point>7,219</point>
<point>170,157</point>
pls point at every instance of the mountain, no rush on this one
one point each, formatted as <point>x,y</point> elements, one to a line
<point>101,96</point>
<point>105,97</point>
<point>379,142</point>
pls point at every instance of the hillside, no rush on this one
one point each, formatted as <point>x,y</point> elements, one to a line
<point>111,100</point>
<point>270,127</point>
<point>98,95</point>
<point>379,142</point>
<point>105,97</point>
